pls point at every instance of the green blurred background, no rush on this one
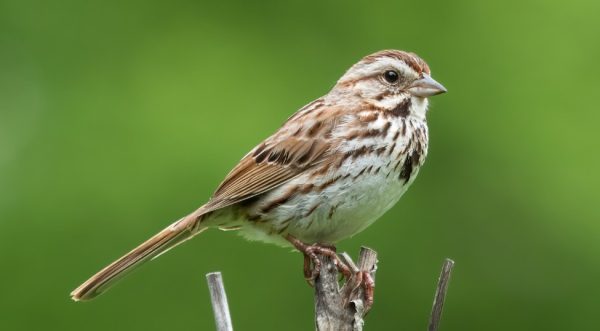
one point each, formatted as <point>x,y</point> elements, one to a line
<point>117,117</point>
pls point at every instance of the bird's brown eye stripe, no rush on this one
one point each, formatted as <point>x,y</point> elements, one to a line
<point>376,75</point>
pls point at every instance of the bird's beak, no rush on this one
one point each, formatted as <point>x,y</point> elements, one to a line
<point>426,87</point>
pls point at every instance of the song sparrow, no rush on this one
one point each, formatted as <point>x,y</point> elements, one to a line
<point>331,170</point>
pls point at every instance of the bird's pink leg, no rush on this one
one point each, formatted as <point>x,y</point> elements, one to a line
<point>369,287</point>
<point>310,256</point>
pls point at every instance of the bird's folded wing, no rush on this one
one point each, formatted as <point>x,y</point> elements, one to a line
<point>283,156</point>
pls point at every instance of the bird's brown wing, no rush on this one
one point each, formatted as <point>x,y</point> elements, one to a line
<point>267,167</point>
<point>283,156</point>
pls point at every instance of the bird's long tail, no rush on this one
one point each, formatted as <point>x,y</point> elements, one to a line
<point>166,239</point>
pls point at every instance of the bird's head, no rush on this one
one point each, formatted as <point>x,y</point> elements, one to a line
<point>390,77</point>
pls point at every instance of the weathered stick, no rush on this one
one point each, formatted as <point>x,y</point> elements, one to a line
<point>219,301</point>
<point>343,309</point>
<point>440,295</point>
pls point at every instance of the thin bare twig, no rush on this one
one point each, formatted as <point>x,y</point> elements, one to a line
<point>219,301</point>
<point>440,295</point>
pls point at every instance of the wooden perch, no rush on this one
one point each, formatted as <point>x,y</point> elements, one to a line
<point>343,308</point>
<point>219,301</point>
<point>337,308</point>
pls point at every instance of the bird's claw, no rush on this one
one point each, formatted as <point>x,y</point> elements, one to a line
<point>312,264</point>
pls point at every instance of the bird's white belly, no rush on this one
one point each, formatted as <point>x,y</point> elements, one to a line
<point>344,208</point>
<point>349,206</point>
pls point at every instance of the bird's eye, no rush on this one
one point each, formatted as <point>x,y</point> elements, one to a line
<point>391,76</point>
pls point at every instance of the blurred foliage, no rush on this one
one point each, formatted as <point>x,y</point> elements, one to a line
<point>117,117</point>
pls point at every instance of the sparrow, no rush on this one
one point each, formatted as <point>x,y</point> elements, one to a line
<point>332,169</point>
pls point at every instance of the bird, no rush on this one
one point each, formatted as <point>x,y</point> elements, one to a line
<point>332,169</point>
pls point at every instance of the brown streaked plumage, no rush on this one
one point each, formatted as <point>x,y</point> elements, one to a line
<point>332,169</point>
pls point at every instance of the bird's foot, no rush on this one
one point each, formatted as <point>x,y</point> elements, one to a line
<point>365,280</point>
<point>312,264</point>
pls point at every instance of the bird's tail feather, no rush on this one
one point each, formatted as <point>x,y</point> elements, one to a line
<point>160,243</point>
